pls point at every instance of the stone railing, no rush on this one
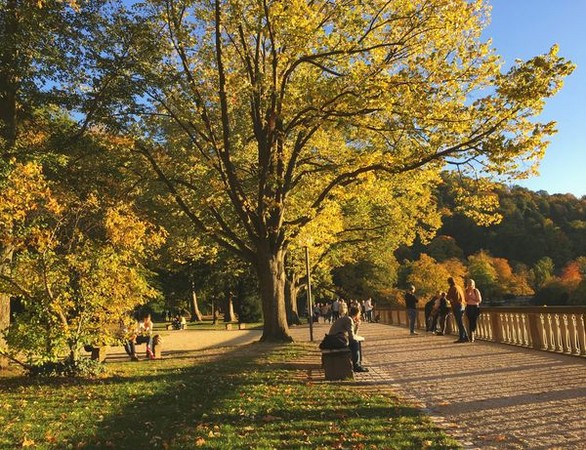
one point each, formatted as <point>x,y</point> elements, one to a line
<point>560,329</point>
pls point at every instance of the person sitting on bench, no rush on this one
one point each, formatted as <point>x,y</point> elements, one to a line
<point>145,335</point>
<point>141,334</point>
<point>348,325</point>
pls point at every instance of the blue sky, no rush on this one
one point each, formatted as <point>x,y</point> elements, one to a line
<point>525,28</point>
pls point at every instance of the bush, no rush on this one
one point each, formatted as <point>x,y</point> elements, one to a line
<point>81,368</point>
<point>555,292</point>
<point>250,309</point>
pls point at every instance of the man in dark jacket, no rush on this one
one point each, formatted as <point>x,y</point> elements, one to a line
<point>411,305</point>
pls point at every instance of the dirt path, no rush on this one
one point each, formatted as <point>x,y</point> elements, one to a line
<point>189,340</point>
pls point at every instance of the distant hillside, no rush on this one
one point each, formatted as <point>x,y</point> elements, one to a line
<point>534,225</point>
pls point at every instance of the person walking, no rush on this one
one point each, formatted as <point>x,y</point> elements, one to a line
<point>335,310</point>
<point>456,298</point>
<point>473,300</point>
<point>343,308</point>
<point>368,308</point>
<point>411,306</point>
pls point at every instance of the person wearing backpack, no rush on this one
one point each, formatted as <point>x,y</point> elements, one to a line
<point>346,327</point>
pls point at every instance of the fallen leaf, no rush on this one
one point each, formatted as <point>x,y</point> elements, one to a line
<point>269,418</point>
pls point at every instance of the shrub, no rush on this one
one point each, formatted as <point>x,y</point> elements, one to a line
<point>80,368</point>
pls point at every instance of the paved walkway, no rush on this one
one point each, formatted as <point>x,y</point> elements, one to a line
<point>489,396</point>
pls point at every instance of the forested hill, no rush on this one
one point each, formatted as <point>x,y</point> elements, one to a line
<point>534,225</point>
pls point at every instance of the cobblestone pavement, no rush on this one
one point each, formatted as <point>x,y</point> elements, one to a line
<point>489,396</point>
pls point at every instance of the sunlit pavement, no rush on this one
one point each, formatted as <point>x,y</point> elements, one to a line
<point>489,396</point>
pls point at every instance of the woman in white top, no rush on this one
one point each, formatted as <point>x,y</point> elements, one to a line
<point>145,331</point>
<point>473,300</point>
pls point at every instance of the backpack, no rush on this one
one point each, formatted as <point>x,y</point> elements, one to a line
<point>334,341</point>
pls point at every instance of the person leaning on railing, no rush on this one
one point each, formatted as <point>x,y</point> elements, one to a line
<point>473,300</point>
<point>457,300</point>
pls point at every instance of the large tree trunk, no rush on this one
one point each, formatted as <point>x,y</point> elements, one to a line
<point>193,306</point>
<point>291,291</point>
<point>271,278</point>
<point>5,259</point>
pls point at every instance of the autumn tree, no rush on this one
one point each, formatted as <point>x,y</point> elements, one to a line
<point>256,115</point>
<point>428,276</point>
<point>542,271</point>
<point>41,68</point>
<point>78,272</point>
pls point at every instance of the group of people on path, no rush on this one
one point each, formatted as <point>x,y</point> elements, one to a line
<point>460,302</point>
<point>331,311</point>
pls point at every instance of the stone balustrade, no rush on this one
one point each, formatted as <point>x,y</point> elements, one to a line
<point>560,329</point>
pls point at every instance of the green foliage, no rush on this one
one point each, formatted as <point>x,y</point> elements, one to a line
<point>427,276</point>
<point>363,279</point>
<point>69,368</point>
<point>542,272</point>
<point>443,247</point>
<point>554,292</point>
<point>578,296</point>
<point>534,225</point>
<point>249,308</point>
<point>481,269</point>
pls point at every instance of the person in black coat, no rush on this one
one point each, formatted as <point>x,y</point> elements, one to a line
<point>441,311</point>
<point>429,312</point>
<point>411,306</point>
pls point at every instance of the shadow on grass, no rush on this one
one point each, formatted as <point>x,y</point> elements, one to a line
<point>244,401</point>
<point>169,402</point>
<point>246,397</point>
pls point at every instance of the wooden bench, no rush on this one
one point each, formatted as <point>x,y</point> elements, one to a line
<point>337,364</point>
<point>98,352</point>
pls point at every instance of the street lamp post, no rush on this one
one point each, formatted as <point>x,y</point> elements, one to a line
<point>309,301</point>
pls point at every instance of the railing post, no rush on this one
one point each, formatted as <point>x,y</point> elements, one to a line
<point>574,341</point>
<point>497,335</point>
<point>581,329</point>
<point>534,335</point>
<point>558,334</point>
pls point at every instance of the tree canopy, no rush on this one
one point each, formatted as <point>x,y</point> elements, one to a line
<point>262,119</point>
<point>261,114</point>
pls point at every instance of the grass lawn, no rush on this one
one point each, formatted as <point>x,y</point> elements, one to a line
<point>252,397</point>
